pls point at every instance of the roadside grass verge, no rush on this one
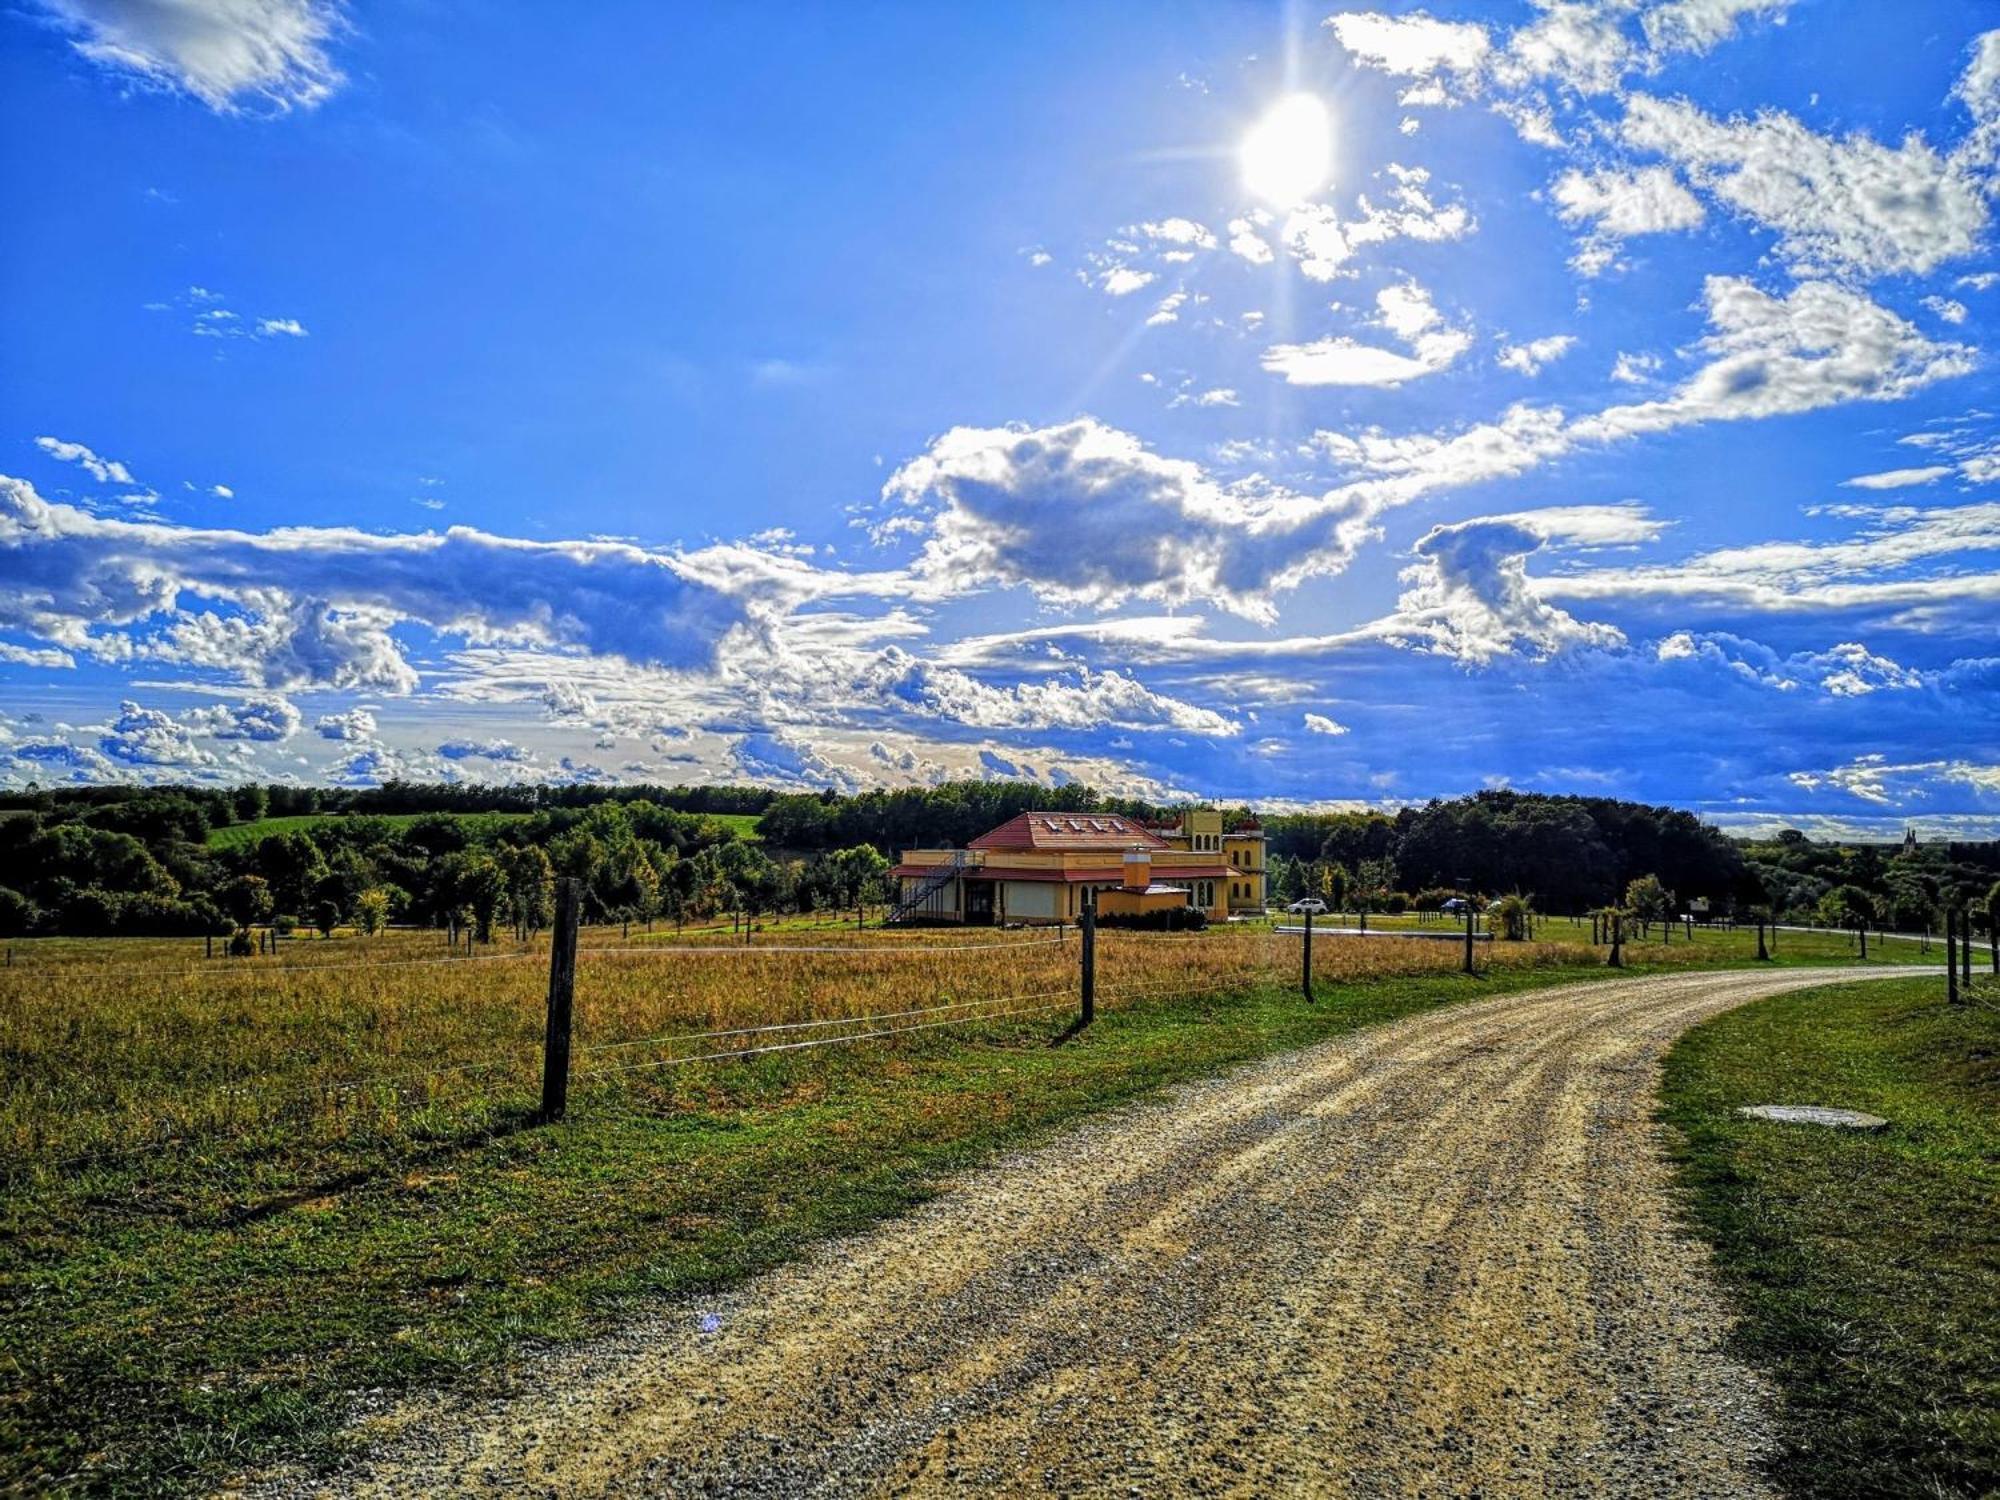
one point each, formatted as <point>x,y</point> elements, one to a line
<point>1866,1267</point>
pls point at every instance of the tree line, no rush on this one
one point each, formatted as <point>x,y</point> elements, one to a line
<point>119,860</point>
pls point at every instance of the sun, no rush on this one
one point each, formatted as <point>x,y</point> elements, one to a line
<point>1287,155</point>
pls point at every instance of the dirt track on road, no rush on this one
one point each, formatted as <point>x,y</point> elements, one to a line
<point>1437,1257</point>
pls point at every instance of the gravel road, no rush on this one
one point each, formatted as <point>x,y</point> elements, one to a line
<point>1432,1258</point>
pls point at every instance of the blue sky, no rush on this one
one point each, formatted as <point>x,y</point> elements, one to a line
<point>1577,396</point>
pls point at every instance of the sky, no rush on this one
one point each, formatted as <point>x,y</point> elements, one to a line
<point>1304,405</point>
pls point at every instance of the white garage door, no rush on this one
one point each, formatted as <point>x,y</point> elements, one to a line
<point>1030,900</point>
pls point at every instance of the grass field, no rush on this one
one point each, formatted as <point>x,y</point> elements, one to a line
<point>190,1144</point>
<point>1867,1267</point>
<point>240,835</point>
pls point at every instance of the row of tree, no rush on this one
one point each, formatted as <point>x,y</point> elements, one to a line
<point>120,859</point>
<point>144,866</point>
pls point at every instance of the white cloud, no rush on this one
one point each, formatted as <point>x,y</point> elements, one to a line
<point>1404,309</point>
<point>1851,204</point>
<point>1896,479</point>
<point>494,750</point>
<point>148,737</point>
<point>1244,240</point>
<point>1085,514</point>
<point>1698,25</point>
<point>1322,242</point>
<point>1122,281</point>
<point>1649,200</point>
<point>314,606</point>
<point>221,51</point>
<point>1535,355</point>
<point>1168,311</point>
<point>355,724</point>
<point>290,328</point>
<point>1321,724</point>
<point>1876,571</point>
<point>1875,778</point>
<point>1095,700</point>
<point>269,720</point>
<point>1632,369</point>
<point>103,470</point>
<point>1176,231</point>
<point>1469,596</point>
<point>1947,309</point>
<point>1413,46</point>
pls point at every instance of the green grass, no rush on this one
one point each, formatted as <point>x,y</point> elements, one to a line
<point>1867,1267</point>
<point>155,1342</point>
<point>165,1321</point>
<point>240,835</point>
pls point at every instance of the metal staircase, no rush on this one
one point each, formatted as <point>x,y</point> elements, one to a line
<point>936,881</point>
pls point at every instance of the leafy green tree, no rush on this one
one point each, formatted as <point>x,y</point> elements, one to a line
<point>1851,908</point>
<point>18,915</point>
<point>371,910</point>
<point>247,899</point>
<point>326,917</point>
<point>1649,901</point>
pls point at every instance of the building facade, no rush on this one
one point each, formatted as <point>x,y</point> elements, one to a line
<point>1035,867</point>
<point>1200,831</point>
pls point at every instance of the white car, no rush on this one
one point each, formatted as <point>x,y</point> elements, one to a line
<point>1310,904</point>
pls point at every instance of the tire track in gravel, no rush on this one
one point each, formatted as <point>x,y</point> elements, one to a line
<point>1434,1257</point>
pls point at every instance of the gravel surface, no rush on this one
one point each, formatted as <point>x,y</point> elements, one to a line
<point>1438,1257</point>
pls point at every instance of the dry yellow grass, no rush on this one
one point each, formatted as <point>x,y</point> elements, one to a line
<point>115,1047</point>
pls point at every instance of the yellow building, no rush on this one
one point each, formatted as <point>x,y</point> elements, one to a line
<point>1200,831</point>
<point>1034,867</point>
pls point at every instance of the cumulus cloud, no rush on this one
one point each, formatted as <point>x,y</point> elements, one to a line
<point>495,750</point>
<point>103,470</point>
<point>1849,204</point>
<point>1093,700</point>
<point>314,606</point>
<point>1085,514</point>
<point>224,52</point>
<point>1322,242</point>
<point>1321,724</point>
<point>355,725</point>
<point>1405,310</point>
<point>1618,205</point>
<point>1875,778</point>
<point>269,720</point>
<point>148,737</point>
<point>1536,355</point>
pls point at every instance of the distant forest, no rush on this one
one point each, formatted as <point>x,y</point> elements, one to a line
<point>128,860</point>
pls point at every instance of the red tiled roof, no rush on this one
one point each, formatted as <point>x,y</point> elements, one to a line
<point>1104,876</point>
<point>1052,832</point>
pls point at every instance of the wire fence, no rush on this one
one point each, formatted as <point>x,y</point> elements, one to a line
<point>486,1046</point>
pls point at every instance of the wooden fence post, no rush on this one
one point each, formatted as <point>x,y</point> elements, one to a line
<point>1617,958</point>
<point>1469,920</point>
<point>1306,965</point>
<point>1089,925</point>
<point>562,995</point>
<point>1965,948</point>
<point>1763,953</point>
<point>1950,956</point>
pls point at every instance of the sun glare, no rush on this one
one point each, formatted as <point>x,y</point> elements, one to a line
<point>1288,154</point>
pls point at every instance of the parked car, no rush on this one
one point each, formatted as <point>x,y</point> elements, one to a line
<point>1310,904</point>
<point>1455,905</point>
